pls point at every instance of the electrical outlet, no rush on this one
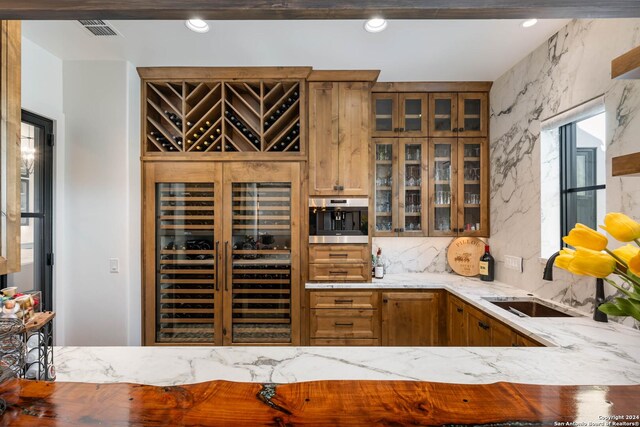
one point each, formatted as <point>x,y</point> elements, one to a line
<point>513,263</point>
<point>114,265</point>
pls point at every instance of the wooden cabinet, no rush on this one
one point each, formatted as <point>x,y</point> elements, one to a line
<point>10,111</point>
<point>468,326</point>
<point>458,187</point>
<point>400,168</point>
<point>411,318</point>
<point>339,114</point>
<point>458,114</point>
<point>456,323</point>
<point>339,263</point>
<point>344,318</point>
<point>221,253</point>
<point>400,115</point>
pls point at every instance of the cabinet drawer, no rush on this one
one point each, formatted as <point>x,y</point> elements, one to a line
<point>340,300</point>
<point>343,254</point>
<point>338,272</point>
<point>345,342</point>
<point>347,323</point>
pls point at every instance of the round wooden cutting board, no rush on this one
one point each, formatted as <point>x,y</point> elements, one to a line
<point>464,255</point>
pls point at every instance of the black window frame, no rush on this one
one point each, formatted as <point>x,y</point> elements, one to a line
<point>568,185</point>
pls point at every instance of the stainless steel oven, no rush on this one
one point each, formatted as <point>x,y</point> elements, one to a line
<point>338,220</point>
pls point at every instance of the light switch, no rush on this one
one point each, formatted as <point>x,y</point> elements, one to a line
<point>513,263</point>
<point>114,265</point>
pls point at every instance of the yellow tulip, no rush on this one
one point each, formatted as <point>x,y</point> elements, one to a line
<point>626,252</point>
<point>634,265</point>
<point>587,262</point>
<point>563,261</point>
<point>585,237</point>
<point>621,227</point>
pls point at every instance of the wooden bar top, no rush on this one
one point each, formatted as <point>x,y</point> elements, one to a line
<point>39,320</point>
<point>317,403</point>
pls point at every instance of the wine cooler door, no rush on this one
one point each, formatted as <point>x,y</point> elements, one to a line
<point>181,244</point>
<point>261,251</point>
<point>442,187</point>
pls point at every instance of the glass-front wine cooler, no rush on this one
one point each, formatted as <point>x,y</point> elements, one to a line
<point>261,261</point>
<point>186,246</point>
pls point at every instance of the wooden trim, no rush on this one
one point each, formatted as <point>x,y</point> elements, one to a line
<point>10,130</point>
<point>626,66</point>
<point>432,87</point>
<point>314,9</point>
<point>343,75</point>
<point>627,165</point>
<point>223,157</point>
<point>223,73</point>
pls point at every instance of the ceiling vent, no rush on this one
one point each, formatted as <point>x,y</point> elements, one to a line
<point>98,27</point>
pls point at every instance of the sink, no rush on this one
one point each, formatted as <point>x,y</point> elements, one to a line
<point>530,307</point>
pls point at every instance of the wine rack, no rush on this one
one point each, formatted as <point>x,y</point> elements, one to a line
<point>186,263</point>
<point>261,263</point>
<point>223,116</point>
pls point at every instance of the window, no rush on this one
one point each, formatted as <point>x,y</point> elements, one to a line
<point>582,173</point>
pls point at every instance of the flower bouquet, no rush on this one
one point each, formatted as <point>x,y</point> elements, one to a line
<point>591,257</point>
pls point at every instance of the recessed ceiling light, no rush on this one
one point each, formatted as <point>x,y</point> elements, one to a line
<point>375,25</point>
<point>529,23</point>
<point>197,25</point>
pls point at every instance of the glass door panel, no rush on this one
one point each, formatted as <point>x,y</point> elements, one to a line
<point>472,114</point>
<point>186,263</point>
<point>413,163</point>
<point>441,188</point>
<point>385,114</point>
<point>443,114</point>
<point>385,167</point>
<point>413,114</point>
<point>261,255</point>
<point>472,188</point>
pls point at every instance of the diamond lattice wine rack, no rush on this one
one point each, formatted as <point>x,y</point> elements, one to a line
<point>195,117</point>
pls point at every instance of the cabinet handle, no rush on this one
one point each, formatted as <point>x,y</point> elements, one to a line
<point>217,264</point>
<point>338,272</point>
<point>398,230</point>
<point>338,255</point>
<point>455,129</point>
<point>226,245</point>
<point>483,325</point>
<point>343,301</point>
<point>459,310</point>
<point>401,129</point>
<point>461,130</point>
<point>343,324</point>
<point>385,301</point>
<point>338,187</point>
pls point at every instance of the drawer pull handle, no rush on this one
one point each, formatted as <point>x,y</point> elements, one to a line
<point>459,310</point>
<point>338,255</point>
<point>483,325</point>
<point>343,301</point>
<point>338,272</point>
<point>344,324</point>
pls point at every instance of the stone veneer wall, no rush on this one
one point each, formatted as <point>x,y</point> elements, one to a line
<point>572,67</point>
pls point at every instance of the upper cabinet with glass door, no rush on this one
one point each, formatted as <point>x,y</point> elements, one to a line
<point>458,114</point>
<point>400,115</point>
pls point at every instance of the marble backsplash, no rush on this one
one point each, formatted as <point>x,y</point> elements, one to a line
<point>572,67</point>
<point>413,254</point>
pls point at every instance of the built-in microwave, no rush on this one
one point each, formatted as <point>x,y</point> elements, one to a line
<point>338,220</point>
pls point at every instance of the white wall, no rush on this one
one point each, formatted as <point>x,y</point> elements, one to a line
<point>102,196</point>
<point>42,94</point>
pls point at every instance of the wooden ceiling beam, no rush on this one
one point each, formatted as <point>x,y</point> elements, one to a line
<point>316,9</point>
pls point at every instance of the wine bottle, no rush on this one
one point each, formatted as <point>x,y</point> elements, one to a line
<point>379,269</point>
<point>487,265</point>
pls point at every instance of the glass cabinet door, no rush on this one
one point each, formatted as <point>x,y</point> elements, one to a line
<point>472,186</point>
<point>385,114</point>
<point>442,174</point>
<point>187,244</point>
<point>413,182</point>
<point>385,173</point>
<point>413,114</point>
<point>472,114</point>
<point>443,113</point>
<point>261,248</point>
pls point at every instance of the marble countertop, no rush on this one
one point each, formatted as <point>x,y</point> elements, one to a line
<point>581,351</point>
